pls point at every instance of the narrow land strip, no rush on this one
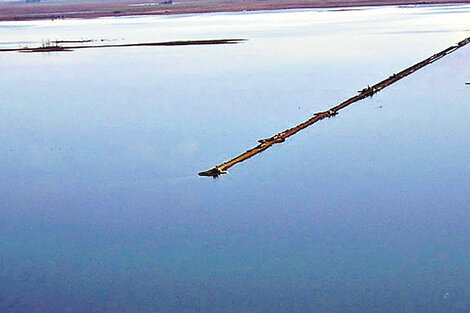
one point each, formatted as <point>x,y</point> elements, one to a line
<point>56,47</point>
<point>266,143</point>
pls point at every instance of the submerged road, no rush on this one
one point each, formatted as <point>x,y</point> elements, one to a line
<point>266,143</point>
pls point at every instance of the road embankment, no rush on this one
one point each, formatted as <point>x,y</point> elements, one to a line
<point>369,91</point>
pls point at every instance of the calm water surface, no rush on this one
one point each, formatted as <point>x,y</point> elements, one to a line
<point>101,208</point>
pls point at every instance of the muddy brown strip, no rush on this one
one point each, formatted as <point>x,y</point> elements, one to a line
<point>17,11</point>
<point>267,143</point>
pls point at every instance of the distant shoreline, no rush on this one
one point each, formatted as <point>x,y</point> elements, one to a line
<point>12,11</point>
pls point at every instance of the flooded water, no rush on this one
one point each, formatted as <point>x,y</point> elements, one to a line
<point>101,208</point>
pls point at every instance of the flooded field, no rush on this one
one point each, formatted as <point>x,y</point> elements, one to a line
<point>102,210</point>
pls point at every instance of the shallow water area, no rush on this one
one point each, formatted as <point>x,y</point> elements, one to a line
<point>102,210</point>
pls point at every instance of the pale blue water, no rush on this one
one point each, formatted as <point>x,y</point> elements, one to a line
<point>101,208</point>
